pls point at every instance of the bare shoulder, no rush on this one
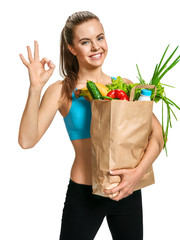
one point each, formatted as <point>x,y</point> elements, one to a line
<point>127,81</point>
<point>55,87</point>
<point>53,93</point>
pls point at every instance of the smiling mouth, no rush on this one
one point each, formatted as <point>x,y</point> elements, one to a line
<point>96,56</point>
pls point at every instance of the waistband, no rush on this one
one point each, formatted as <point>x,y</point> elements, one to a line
<point>79,184</point>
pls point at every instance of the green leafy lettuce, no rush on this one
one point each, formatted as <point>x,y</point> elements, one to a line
<point>118,83</point>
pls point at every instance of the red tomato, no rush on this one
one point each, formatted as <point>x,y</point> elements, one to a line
<point>111,94</point>
<point>120,94</point>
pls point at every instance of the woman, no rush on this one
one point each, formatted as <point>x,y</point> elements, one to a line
<point>83,51</point>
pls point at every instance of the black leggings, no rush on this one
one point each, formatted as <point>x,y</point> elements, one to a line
<point>84,212</point>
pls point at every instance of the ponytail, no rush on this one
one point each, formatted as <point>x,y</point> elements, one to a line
<point>69,65</point>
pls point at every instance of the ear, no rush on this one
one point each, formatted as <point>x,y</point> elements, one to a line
<point>71,49</point>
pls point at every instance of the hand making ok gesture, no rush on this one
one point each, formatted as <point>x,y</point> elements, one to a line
<point>38,76</point>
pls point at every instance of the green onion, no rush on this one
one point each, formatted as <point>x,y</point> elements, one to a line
<point>140,78</point>
<point>158,74</point>
<point>167,85</point>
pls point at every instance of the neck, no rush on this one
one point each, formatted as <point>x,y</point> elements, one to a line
<point>95,75</point>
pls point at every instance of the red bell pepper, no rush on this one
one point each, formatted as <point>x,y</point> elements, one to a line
<point>111,94</point>
<point>120,94</point>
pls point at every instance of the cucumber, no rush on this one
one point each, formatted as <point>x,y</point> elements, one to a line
<point>93,90</point>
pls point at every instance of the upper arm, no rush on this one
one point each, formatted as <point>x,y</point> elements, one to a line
<point>156,125</point>
<point>48,107</point>
<point>157,131</point>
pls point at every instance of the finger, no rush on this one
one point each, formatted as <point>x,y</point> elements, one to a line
<point>108,190</point>
<point>50,64</point>
<point>36,50</point>
<point>113,190</point>
<point>122,194</point>
<point>118,197</point>
<point>44,61</point>
<point>51,67</point>
<point>29,54</point>
<point>117,172</point>
<point>23,60</point>
<point>113,195</point>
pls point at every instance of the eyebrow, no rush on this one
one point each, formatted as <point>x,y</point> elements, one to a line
<point>89,38</point>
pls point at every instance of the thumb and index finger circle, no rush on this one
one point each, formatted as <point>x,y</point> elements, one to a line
<point>51,67</point>
<point>50,64</point>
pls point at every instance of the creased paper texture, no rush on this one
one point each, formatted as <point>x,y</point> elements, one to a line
<point>120,131</point>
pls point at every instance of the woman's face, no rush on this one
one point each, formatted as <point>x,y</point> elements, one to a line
<point>89,44</point>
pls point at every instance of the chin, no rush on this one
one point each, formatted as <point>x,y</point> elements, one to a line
<point>93,66</point>
<point>96,64</point>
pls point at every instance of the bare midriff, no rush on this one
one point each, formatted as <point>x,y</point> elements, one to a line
<point>81,168</point>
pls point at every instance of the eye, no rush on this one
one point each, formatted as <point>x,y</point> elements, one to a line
<point>85,43</point>
<point>100,38</point>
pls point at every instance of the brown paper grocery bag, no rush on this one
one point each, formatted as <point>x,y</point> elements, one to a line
<point>120,132</point>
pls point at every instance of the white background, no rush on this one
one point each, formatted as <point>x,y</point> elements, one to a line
<point>33,182</point>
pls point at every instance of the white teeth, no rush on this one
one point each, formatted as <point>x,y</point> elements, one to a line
<point>96,56</point>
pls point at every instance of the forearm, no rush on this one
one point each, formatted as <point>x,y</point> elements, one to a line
<point>28,131</point>
<point>153,150</point>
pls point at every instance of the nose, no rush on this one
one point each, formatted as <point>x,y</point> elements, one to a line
<point>95,46</point>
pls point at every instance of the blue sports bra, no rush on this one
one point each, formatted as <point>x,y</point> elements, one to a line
<point>78,119</point>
